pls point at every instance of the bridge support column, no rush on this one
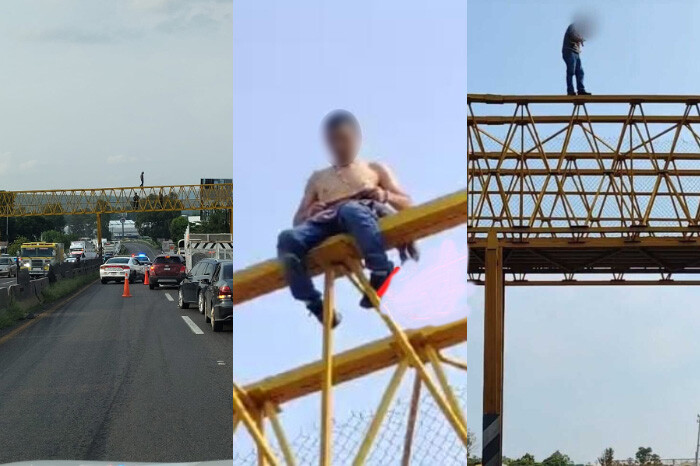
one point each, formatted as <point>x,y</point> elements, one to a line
<point>99,235</point>
<point>492,436</point>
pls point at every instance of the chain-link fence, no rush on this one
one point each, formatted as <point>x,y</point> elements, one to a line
<point>434,441</point>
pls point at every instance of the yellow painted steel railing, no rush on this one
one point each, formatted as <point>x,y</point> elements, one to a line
<point>338,256</point>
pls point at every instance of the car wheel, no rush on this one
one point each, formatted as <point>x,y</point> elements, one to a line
<point>200,302</point>
<point>181,301</point>
<point>207,318</point>
<point>104,282</point>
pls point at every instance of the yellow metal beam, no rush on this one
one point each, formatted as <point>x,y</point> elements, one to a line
<point>551,119</point>
<point>408,225</point>
<point>116,200</point>
<point>354,363</point>
<point>609,99</point>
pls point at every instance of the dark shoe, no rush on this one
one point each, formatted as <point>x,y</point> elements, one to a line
<point>584,92</point>
<point>316,308</point>
<point>571,93</point>
<point>376,280</point>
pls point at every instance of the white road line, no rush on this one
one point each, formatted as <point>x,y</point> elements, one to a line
<point>170,298</point>
<point>192,326</point>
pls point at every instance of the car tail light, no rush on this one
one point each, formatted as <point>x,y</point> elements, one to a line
<point>183,269</point>
<point>225,292</point>
<point>125,267</point>
<point>153,267</point>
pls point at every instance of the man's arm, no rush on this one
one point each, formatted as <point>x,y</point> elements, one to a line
<point>310,197</point>
<point>395,195</point>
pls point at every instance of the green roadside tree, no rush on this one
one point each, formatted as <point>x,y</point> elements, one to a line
<point>178,226</point>
<point>607,458</point>
<point>15,246</point>
<point>557,459</point>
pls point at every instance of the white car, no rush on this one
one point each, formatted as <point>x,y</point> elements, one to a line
<point>116,268</point>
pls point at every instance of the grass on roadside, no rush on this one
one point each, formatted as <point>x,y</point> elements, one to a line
<point>17,310</point>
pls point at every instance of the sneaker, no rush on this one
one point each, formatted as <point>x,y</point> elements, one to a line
<point>584,92</point>
<point>376,280</point>
<point>316,308</point>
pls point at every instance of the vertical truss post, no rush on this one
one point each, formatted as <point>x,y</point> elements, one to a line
<point>492,438</point>
<point>99,235</point>
<point>254,428</point>
<point>260,424</point>
<point>327,380</point>
<point>379,416</point>
<point>271,413</point>
<point>362,283</point>
<point>230,219</point>
<point>411,424</point>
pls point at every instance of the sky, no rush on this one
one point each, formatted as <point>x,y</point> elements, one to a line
<point>94,92</point>
<point>590,368</point>
<point>401,68</point>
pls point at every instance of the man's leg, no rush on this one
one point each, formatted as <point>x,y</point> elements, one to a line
<point>292,247</point>
<point>570,61</point>
<point>361,222</point>
<point>579,76</point>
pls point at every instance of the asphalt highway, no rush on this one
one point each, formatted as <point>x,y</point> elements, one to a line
<point>108,378</point>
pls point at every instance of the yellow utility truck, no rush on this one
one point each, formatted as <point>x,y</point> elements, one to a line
<point>38,258</point>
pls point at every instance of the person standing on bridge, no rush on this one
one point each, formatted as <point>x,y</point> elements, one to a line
<point>574,37</point>
<point>347,197</point>
<point>141,180</point>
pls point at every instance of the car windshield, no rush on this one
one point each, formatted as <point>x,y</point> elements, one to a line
<point>5,261</point>
<point>227,272</point>
<point>167,260</point>
<point>38,252</point>
<point>118,260</point>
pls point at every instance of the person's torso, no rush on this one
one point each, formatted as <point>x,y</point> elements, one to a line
<point>569,44</point>
<point>334,183</point>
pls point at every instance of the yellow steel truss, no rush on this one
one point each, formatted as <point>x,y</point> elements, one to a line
<point>100,201</point>
<point>338,256</point>
<point>574,186</point>
<point>116,200</point>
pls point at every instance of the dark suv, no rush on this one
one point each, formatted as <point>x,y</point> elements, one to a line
<point>195,282</point>
<point>218,299</point>
<point>166,270</point>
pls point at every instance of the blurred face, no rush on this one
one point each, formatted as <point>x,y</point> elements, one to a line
<point>343,143</point>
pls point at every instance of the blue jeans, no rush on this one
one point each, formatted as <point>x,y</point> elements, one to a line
<point>354,218</point>
<point>573,68</point>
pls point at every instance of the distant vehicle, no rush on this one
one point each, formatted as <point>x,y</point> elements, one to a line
<point>39,257</point>
<point>218,298</point>
<point>116,268</point>
<point>83,248</point>
<point>166,270</point>
<point>72,258</point>
<point>195,282</point>
<point>8,267</point>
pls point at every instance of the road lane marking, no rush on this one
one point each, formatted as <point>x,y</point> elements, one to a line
<point>192,326</point>
<point>221,363</point>
<point>170,298</point>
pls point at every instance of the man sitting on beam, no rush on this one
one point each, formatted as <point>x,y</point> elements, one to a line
<point>347,197</point>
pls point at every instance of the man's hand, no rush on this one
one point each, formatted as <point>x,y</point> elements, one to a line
<point>315,208</point>
<point>376,194</point>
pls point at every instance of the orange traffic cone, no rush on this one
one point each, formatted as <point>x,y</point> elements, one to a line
<point>126,294</point>
<point>145,280</point>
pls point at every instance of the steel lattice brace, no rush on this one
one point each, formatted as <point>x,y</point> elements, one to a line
<point>582,173</point>
<point>116,200</point>
<point>576,186</point>
<point>589,170</point>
